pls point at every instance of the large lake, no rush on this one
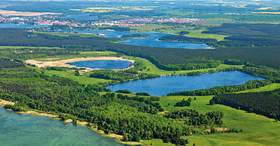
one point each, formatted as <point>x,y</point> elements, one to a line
<point>147,39</point>
<point>103,64</point>
<point>170,84</point>
<point>151,39</point>
<point>27,130</point>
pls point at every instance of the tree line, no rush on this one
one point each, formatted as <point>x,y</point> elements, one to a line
<point>264,103</point>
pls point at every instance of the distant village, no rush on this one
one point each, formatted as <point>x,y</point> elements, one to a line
<point>54,20</point>
<point>45,20</point>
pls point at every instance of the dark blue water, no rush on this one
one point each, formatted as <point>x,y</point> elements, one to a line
<point>170,84</point>
<point>103,64</point>
<point>26,130</point>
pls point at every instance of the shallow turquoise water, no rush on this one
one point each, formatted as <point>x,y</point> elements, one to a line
<point>27,130</point>
<point>103,64</point>
<point>169,84</point>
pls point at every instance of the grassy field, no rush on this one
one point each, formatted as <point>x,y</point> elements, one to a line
<point>192,32</point>
<point>270,87</point>
<point>257,130</point>
<point>83,79</point>
<point>152,69</point>
<point>202,35</point>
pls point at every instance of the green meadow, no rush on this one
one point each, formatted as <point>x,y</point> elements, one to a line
<point>257,130</point>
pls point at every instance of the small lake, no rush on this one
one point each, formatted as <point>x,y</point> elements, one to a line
<point>103,64</point>
<point>169,84</point>
<point>27,130</point>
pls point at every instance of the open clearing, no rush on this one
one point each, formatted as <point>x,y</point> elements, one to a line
<point>257,129</point>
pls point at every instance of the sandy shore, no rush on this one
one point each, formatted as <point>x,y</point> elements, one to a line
<point>64,63</point>
<point>35,113</point>
<point>24,14</point>
<point>5,102</point>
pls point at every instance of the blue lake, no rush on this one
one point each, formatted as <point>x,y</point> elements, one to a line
<point>103,64</point>
<point>151,39</point>
<point>169,84</point>
<point>27,130</point>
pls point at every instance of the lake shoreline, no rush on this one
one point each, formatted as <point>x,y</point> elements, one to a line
<point>53,116</point>
<point>65,62</point>
<point>229,78</point>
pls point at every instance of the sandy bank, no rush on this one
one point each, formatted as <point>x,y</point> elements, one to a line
<point>24,14</point>
<point>35,113</point>
<point>64,63</point>
<point>5,102</point>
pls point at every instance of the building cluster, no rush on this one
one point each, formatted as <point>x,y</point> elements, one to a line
<point>46,20</point>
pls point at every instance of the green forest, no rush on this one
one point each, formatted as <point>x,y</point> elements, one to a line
<point>139,116</point>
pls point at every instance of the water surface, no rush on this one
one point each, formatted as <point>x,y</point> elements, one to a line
<point>151,39</point>
<point>27,130</point>
<point>103,64</point>
<point>170,84</point>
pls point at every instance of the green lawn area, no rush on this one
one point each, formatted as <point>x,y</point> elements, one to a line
<point>152,69</point>
<point>269,87</point>
<point>257,130</point>
<point>200,34</point>
<point>83,79</point>
<point>194,32</point>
